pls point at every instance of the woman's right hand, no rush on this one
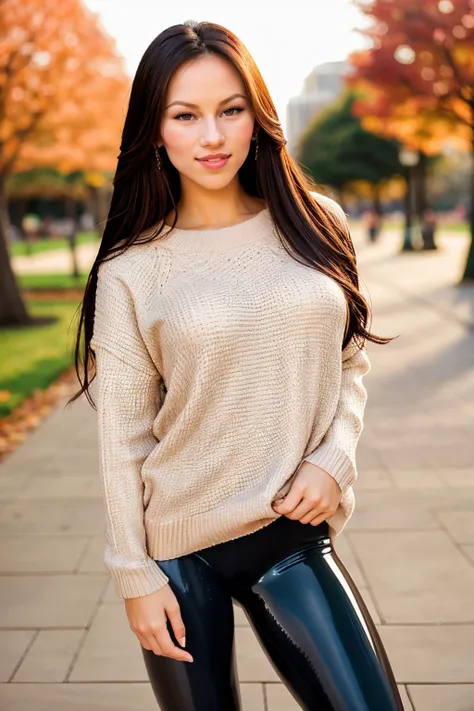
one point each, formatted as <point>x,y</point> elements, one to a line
<point>147,616</point>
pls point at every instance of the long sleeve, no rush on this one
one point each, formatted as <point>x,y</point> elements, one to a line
<point>336,453</point>
<point>128,397</point>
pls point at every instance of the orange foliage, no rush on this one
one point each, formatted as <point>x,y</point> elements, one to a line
<point>416,83</point>
<point>63,88</point>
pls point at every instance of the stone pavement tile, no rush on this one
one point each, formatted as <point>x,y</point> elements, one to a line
<point>416,577</point>
<point>345,553</point>
<point>61,487</point>
<point>401,509</point>
<point>414,457</point>
<point>35,554</point>
<point>457,476</point>
<point>372,479</point>
<point>407,705</point>
<point>13,644</point>
<point>110,596</point>
<point>459,524</point>
<point>49,656</point>
<point>416,478</point>
<point>253,664</point>
<point>111,651</point>
<point>426,436</point>
<point>12,486</point>
<point>49,600</point>
<point>252,697</point>
<point>469,552</point>
<point>368,599</point>
<point>80,516</point>
<point>56,462</point>
<point>63,433</point>
<point>368,458</point>
<point>77,697</point>
<point>439,697</point>
<point>430,654</point>
<point>279,698</point>
<point>93,559</point>
<point>240,620</point>
<point>391,509</point>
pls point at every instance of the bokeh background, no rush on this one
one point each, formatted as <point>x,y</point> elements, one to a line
<point>376,99</point>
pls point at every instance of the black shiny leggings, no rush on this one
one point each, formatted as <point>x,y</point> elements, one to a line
<point>305,610</point>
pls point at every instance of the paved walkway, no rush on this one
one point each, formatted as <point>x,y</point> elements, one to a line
<point>56,261</point>
<point>65,640</point>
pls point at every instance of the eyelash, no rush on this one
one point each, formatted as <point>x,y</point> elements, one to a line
<point>231,108</point>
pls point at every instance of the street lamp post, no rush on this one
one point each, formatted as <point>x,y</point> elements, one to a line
<point>409,159</point>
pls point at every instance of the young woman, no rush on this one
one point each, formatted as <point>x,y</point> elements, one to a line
<point>224,319</point>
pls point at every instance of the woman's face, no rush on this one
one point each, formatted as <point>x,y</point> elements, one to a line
<point>207,112</point>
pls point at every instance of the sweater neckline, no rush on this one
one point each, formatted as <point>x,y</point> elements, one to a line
<point>219,239</point>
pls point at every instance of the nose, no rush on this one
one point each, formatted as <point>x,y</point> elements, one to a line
<point>211,135</point>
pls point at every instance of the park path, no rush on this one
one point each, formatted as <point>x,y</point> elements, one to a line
<point>56,261</point>
<point>65,640</point>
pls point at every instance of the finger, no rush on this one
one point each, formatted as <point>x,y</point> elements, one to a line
<point>290,502</point>
<point>143,641</point>
<point>149,642</point>
<point>177,624</point>
<point>319,519</point>
<point>168,648</point>
<point>310,515</point>
<point>304,509</point>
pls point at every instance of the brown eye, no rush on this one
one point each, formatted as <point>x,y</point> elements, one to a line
<point>179,115</point>
<point>234,108</point>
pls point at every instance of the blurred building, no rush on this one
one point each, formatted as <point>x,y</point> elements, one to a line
<point>320,88</point>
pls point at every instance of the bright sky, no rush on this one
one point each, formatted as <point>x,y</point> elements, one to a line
<point>287,39</point>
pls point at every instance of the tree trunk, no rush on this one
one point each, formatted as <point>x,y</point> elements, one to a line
<point>71,214</point>
<point>407,245</point>
<point>12,308</point>
<point>421,198</point>
<point>469,268</point>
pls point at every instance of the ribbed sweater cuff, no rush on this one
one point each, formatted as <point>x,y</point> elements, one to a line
<point>335,462</point>
<point>138,581</point>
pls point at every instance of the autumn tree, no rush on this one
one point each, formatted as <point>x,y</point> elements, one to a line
<point>62,93</point>
<point>418,77</point>
<point>339,151</point>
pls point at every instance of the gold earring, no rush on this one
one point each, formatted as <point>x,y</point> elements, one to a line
<point>157,154</point>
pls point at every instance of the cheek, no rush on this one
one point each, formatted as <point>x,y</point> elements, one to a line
<point>176,138</point>
<point>242,130</point>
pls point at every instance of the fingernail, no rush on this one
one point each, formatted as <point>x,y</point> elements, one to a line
<point>278,502</point>
<point>182,641</point>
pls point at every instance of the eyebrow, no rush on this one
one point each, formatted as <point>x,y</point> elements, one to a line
<point>195,106</point>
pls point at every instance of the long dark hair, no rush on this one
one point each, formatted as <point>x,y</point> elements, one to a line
<point>143,196</point>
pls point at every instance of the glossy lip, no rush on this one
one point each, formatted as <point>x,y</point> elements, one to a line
<point>215,155</point>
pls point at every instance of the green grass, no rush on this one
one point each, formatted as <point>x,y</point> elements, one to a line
<point>34,357</point>
<point>459,227</point>
<point>51,281</point>
<point>19,249</point>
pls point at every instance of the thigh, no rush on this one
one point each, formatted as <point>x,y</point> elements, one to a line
<point>318,634</point>
<point>210,682</point>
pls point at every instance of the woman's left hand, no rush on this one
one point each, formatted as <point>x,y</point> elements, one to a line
<point>314,496</point>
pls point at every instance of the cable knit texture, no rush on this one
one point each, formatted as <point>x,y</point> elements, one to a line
<point>219,370</point>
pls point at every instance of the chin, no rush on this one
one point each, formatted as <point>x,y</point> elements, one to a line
<point>213,182</point>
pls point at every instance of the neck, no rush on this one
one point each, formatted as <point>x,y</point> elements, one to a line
<point>204,209</point>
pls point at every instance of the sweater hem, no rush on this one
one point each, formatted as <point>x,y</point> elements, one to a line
<point>182,536</point>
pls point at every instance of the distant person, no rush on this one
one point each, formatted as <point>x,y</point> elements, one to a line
<point>373,225</point>
<point>230,395</point>
<point>428,229</point>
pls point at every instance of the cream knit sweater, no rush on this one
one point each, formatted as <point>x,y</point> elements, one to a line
<point>219,370</point>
